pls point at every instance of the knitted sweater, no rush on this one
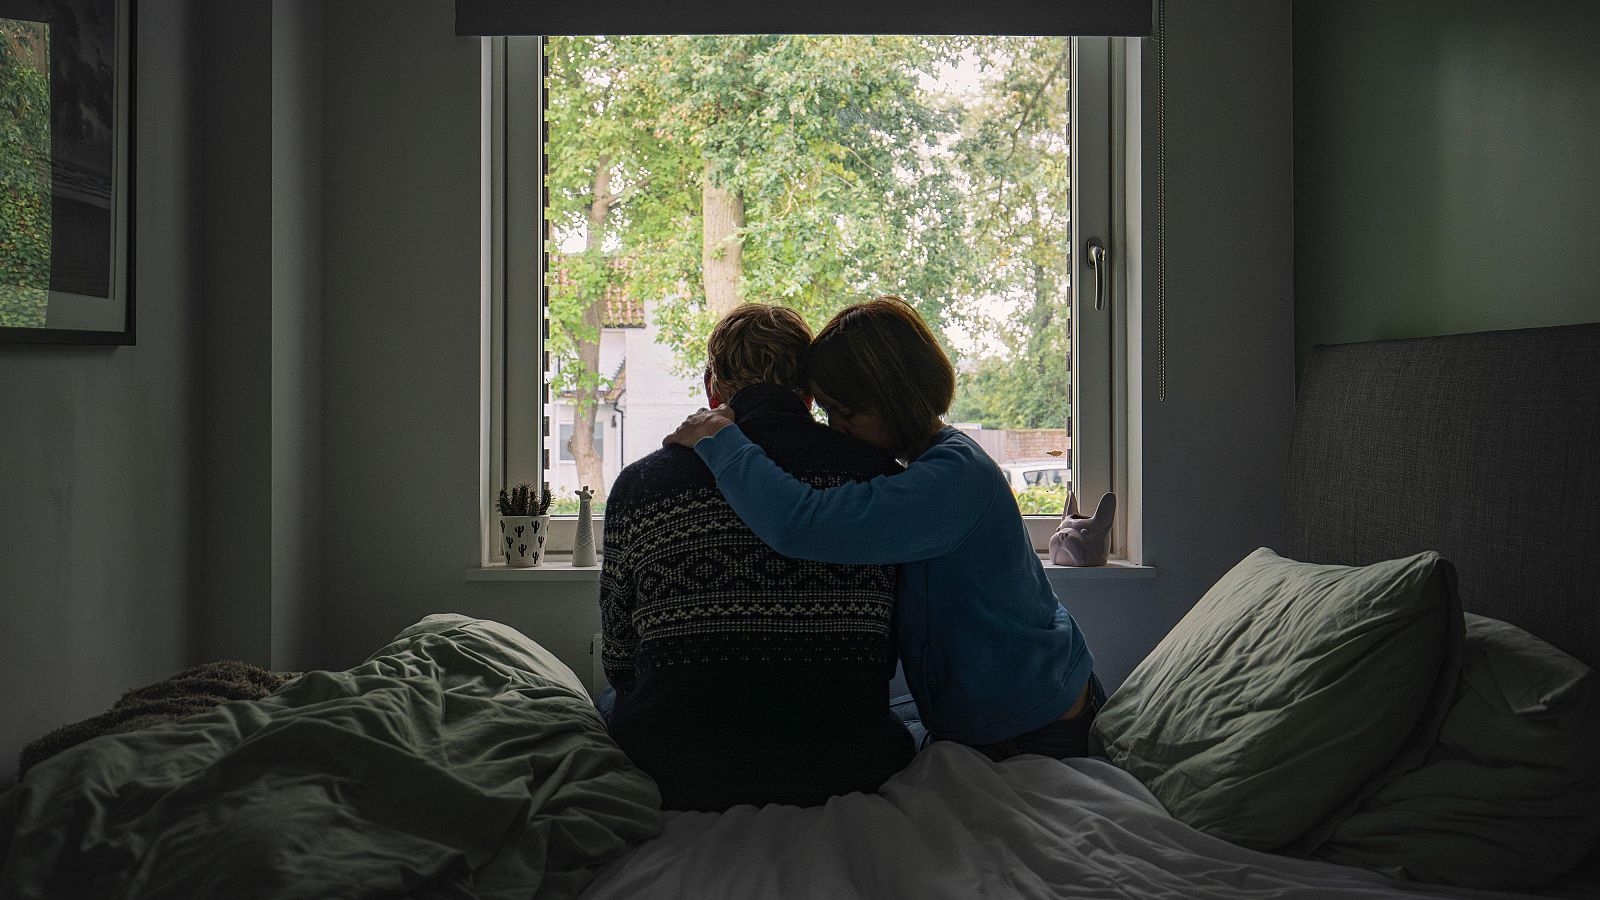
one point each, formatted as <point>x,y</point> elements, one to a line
<point>989,651</point>
<point>745,676</point>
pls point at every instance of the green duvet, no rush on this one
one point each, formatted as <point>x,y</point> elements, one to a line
<point>462,760</point>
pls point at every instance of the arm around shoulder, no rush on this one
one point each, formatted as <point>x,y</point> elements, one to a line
<point>926,511</point>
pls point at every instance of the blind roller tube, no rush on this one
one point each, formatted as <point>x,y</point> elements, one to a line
<point>996,17</point>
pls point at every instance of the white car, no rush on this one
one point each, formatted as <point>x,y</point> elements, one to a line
<point>1042,473</point>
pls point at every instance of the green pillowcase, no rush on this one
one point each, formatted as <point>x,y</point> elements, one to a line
<point>1288,694</point>
<point>1509,796</point>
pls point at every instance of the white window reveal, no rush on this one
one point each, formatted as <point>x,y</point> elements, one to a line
<point>638,187</point>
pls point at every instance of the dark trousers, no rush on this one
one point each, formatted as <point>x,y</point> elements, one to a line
<point>1061,739</point>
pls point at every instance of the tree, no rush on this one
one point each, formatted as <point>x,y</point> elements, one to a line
<point>594,102</point>
<point>783,168</point>
<point>1014,149</point>
<point>813,171</point>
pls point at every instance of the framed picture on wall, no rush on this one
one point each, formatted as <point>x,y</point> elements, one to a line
<point>66,158</point>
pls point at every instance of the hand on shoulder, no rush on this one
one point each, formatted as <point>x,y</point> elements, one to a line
<point>702,423</point>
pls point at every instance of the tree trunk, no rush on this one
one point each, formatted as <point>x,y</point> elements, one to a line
<point>721,254</point>
<point>586,402</point>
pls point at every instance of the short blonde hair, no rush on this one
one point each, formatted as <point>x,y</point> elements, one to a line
<point>758,343</point>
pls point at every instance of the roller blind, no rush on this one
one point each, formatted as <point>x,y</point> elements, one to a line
<point>1000,17</point>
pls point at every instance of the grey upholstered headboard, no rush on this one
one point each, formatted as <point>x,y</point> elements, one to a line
<point>1484,447</point>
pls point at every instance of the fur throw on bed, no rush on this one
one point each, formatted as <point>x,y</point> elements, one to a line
<point>189,692</point>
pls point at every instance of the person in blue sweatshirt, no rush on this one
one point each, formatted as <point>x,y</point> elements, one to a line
<point>992,658</point>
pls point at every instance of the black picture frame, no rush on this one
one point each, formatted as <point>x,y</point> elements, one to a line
<point>90,297</point>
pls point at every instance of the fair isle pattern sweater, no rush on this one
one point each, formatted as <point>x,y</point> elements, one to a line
<point>745,676</point>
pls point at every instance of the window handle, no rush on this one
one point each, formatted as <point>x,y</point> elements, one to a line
<point>1095,255</point>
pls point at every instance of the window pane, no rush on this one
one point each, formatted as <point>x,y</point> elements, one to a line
<point>689,173</point>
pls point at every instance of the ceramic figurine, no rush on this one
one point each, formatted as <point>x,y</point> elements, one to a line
<point>1083,540</point>
<point>583,543</point>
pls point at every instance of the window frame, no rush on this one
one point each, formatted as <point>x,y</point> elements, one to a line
<point>513,298</point>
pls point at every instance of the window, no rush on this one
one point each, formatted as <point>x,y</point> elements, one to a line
<point>674,176</point>
<point>565,443</point>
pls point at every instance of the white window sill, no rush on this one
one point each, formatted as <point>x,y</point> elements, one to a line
<point>1116,568</point>
<point>558,567</point>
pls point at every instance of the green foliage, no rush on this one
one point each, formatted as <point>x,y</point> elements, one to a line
<point>1013,148</point>
<point>824,138</point>
<point>25,193</point>
<point>1042,500</point>
<point>568,506</point>
<point>524,500</point>
<point>855,179</point>
<point>1028,390</point>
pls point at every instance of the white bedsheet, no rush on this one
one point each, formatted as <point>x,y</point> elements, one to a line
<point>954,824</point>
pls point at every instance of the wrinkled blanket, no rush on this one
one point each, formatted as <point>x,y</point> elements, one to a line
<point>955,825</point>
<point>187,693</point>
<point>461,760</point>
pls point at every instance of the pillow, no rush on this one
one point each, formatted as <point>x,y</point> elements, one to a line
<point>1288,693</point>
<point>1509,796</point>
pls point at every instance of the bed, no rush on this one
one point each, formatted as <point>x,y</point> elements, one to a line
<point>1479,446</point>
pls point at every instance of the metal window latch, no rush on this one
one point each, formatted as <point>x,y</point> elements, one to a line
<point>1095,256</point>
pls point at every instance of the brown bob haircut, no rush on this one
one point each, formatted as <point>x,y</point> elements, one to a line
<point>880,357</point>
<point>756,343</point>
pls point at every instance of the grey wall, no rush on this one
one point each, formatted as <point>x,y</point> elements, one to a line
<point>98,446</point>
<point>262,399</point>
<point>160,504</point>
<point>401,333</point>
<point>400,326</point>
<point>1445,157</point>
<point>233,614</point>
<point>1214,452</point>
<point>297,361</point>
<point>401,338</point>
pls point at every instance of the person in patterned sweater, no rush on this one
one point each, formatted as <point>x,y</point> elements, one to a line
<point>742,675</point>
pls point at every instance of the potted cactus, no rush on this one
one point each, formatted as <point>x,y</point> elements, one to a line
<point>524,524</point>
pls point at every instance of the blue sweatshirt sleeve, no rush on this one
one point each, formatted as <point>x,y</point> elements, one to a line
<point>923,512</point>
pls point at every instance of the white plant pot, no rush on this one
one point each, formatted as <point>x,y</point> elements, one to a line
<point>522,540</point>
